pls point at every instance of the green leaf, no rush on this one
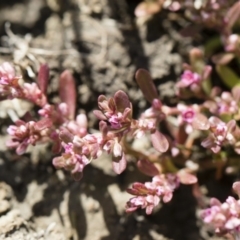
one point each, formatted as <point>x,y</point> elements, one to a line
<point>207,86</point>
<point>229,77</point>
<point>212,45</point>
<point>206,83</point>
<point>226,117</point>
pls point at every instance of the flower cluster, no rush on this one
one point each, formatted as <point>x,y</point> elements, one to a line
<point>221,133</point>
<point>210,13</point>
<point>195,75</point>
<point>29,131</point>
<point>116,121</point>
<point>226,103</point>
<point>9,85</point>
<point>26,133</point>
<point>149,194</point>
<point>78,152</point>
<point>224,217</point>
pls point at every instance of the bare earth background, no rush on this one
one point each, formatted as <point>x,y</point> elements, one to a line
<point>101,43</point>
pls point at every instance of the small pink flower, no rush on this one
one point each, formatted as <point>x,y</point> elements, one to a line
<point>7,74</point>
<point>192,118</point>
<point>34,94</point>
<point>117,111</point>
<point>77,127</point>
<point>9,86</point>
<point>115,121</point>
<point>221,133</point>
<point>187,114</point>
<point>57,113</point>
<point>227,103</point>
<point>232,43</point>
<point>188,78</point>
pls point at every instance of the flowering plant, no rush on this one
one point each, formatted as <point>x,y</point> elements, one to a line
<point>76,147</point>
<point>204,119</point>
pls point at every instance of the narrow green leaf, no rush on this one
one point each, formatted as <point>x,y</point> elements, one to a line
<point>212,45</point>
<point>206,83</point>
<point>207,86</point>
<point>229,77</point>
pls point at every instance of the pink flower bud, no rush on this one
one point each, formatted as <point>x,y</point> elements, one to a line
<point>236,188</point>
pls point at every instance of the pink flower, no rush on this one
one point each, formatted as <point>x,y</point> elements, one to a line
<point>192,118</point>
<point>227,103</point>
<point>117,111</point>
<point>7,74</point>
<point>71,161</point>
<point>57,113</point>
<point>115,121</point>
<point>24,134</point>
<point>148,195</point>
<point>111,143</point>
<point>9,86</point>
<point>78,152</point>
<point>34,94</point>
<point>221,133</point>
<point>189,78</point>
<point>224,217</point>
<point>187,114</point>
<point>148,202</point>
<point>232,43</point>
<point>79,126</point>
